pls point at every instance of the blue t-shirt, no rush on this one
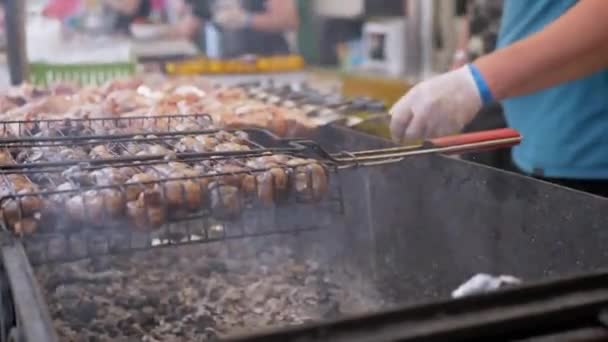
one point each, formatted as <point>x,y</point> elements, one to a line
<point>565,128</point>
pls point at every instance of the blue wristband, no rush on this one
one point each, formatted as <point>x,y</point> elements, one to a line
<point>482,85</point>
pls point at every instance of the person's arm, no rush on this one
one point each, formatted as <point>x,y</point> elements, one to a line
<point>280,15</point>
<point>187,27</point>
<point>572,47</point>
<point>124,7</point>
<point>195,14</point>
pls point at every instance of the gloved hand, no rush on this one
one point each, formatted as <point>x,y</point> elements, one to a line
<point>232,17</point>
<point>440,106</point>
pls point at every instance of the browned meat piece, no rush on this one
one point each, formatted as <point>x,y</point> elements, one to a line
<point>190,144</point>
<point>268,161</point>
<point>64,88</point>
<point>6,158</point>
<point>78,175</point>
<point>228,147</point>
<point>249,183</point>
<point>8,103</point>
<point>229,174</point>
<point>236,176</point>
<point>271,185</point>
<point>101,152</point>
<point>109,176</point>
<point>88,207</point>
<point>309,179</point>
<point>183,192</point>
<point>134,186</point>
<point>128,172</point>
<point>25,227</point>
<point>62,197</point>
<point>207,141</point>
<point>239,137</point>
<point>226,202</point>
<point>122,84</point>
<point>114,202</point>
<point>17,209</point>
<point>134,148</point>
<point>54,206</point>
<point>158,150</point>
<point>93,206</point>
<point>279,126</point>
<point>205,167</point>
<point>177,166</point>
<point>31,156</point>
<point>147,212</point>
<point>17,183</point>
<point>69,154</point>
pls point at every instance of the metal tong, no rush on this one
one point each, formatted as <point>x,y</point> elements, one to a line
<point>450,145</point>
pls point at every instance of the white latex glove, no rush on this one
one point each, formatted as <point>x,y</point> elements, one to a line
<point>440,106</point>
<point>232,17</point>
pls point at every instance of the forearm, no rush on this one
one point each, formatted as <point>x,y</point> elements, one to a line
<point>569,48</point>
<point>586,65</point>
<point>281,15</point>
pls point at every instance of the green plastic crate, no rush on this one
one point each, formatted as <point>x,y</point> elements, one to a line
<point>45,74</point>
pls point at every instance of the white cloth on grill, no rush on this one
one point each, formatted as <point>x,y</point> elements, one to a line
<point>484,283</point>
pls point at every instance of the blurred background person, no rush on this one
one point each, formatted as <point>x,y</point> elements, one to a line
<point>116,15</point>
<point>128,12</point>
<point>243,26</point>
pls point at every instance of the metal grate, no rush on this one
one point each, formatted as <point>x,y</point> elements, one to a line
<point>70,191</point>
<point>110,125</point>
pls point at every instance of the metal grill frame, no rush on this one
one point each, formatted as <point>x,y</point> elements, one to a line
<point>96,235</point>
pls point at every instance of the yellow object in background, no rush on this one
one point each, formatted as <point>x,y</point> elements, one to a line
<point>201,65</point>
<point>388,90</point>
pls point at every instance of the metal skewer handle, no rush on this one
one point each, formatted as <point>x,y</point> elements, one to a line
<point>457,144</point>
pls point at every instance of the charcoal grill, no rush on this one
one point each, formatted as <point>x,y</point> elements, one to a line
<point>572,309</point>
<point>412,229</point>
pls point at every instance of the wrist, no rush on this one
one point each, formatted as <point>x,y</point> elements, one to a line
<point>485,93</point>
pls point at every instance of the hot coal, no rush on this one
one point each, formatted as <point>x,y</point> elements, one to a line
<point>195,293</point>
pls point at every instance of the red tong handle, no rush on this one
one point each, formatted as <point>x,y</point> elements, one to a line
<point>478,141</point>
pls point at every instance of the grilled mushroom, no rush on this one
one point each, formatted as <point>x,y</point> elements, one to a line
<point>25,205</point>
<point>190,144</point>
<point>208,142</point>
<point>26,226</point>
<point>101,152</point>
<point>309,179</point>
<point>134,185</point>
<point>147,212</point>
<point>88,207</point>
<point>231,174</point>
<point>272,184</point>
<point>114,201</point>
<point>181,193</point>
<point>225,200</point>
<point>109,176</point>
<point>229,147</point>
